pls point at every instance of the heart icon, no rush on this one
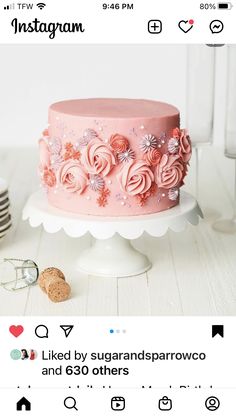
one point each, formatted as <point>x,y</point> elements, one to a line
<point>186,25</point>
<point>16,330</point>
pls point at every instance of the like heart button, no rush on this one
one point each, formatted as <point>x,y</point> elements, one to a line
<point>186,25</point>
<point>16,330</point>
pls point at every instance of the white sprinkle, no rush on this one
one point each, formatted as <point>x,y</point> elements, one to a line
<point>159,145</point>
<point>122,203</point>
<point>88,198</point>
<point>106,140</point>
<point>64,136</point>
<point>142,127</point>
<point>163,141</point>
<point>55,192</point>
<point>100,128</point>
<point>163,195</point>
<point>109,182</point>
<point>124,197</point>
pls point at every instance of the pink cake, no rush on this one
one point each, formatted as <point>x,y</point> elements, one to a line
<point>113,157</point>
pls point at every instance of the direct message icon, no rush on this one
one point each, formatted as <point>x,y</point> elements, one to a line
<point>165,404</point>
<point>216,26</point>
<point>67,329</point>
<point>118,403</point>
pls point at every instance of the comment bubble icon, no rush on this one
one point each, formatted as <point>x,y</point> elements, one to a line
<point>41,331</point>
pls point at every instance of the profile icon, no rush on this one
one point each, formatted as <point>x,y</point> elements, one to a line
<point>24,354</point>
<point>15,354</point>
<point>32,355</point>
<point>212,403</point>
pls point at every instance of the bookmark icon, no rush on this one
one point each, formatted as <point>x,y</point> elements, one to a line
<point>218,329</point>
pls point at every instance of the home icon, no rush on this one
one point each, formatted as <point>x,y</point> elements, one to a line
<point>23,404</point>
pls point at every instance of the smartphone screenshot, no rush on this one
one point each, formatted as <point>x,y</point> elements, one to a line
<point>117,209</point>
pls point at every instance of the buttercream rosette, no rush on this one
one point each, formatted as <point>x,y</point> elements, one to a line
<point>119,143</point>
<point>97,158</point>
<point>45,132</point>
<point>185,147</point>
<point>170,171</point>
<point>135,177</point>
<point>72,176</point>
<point>49,177</point>
<point>153,157</point>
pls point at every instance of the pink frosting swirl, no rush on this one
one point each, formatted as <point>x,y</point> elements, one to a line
<point>46,133</point>
<point>185,149</point>
<point>72,176</point>
<point>119,143</point>
<point>170,171</point>
<point>44,155</point>
<point>176,133</point>
<point>135,177</point>
<point>49,177</point>
<point>153,157</point>
<point>97,158</point>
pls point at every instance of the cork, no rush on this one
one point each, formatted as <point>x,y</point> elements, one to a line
<point>52,281</point>
<point>47,274</point>
<point>57,290</point>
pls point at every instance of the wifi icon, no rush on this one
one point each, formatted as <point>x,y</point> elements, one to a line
<point>41,5</point>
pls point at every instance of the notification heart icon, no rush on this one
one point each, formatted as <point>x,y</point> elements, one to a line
<point>186,25</point>
<point>16,330</point>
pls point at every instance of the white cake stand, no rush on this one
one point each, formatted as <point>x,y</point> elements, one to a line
<point>112,254</point>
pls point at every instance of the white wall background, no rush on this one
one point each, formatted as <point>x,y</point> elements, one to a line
<point>33,77</point>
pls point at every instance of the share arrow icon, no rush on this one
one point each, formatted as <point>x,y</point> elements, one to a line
<point>67,329</point>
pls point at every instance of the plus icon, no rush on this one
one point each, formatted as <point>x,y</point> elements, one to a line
<point>155,26</point>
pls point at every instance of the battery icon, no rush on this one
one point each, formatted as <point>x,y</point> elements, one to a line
<point>225,6</point>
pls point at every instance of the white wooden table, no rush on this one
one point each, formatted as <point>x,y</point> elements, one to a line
<point>193,273</point>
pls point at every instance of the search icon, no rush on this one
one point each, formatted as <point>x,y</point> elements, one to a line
<point>41,331</point>
<point>70,403</point>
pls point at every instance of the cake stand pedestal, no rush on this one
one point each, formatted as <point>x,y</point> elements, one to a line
<point>112,254</point>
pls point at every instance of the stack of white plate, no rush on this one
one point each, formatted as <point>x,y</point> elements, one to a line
<point>5,216</point>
